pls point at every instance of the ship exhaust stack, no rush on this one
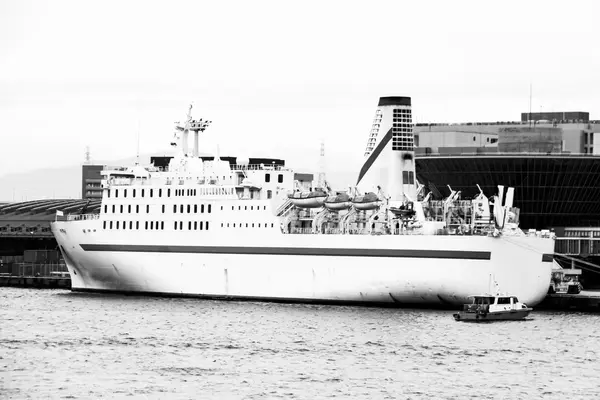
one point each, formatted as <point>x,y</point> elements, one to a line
<point>390,155</point>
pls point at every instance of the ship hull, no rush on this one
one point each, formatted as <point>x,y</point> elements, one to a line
<point>355,269</point>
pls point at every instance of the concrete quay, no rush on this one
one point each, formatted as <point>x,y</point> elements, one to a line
<point>37,282</point>
<point>586,300</point>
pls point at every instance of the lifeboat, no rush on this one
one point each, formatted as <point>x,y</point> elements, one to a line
<point>313,199</point>
<point>369,201</point>
<point>340,202</point>
<point>403,211</point>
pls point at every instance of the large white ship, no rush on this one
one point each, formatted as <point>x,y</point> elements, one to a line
<point>212,229</point>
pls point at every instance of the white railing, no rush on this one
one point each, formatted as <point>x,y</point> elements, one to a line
<point>82,217</point>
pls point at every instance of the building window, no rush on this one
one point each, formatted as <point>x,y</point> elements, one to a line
<point>267,177</point>
<point>280,178</point>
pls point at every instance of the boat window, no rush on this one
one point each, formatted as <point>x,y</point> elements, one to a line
<point>503,300</point>
<point>151,192</point>
<point>271,224</point>
<point>245,208</point>
<point>125,193</point>
<point>232,208</point>
<point>280,178</point>
<point>267,177</point>
<point>515,300</point>
<point>221,208</point>
<point>233,224</point>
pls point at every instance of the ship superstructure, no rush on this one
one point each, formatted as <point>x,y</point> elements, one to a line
<point>216,230</point>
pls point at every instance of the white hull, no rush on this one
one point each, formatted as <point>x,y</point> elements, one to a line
<point>410,269</point>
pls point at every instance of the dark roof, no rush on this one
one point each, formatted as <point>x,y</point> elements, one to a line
<point>43,208</point>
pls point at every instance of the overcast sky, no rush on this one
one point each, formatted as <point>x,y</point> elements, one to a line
<point>276,77</point>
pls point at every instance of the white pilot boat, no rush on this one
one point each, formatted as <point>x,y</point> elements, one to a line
<point>485,308</point>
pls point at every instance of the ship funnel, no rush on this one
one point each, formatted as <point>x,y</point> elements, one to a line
<point>389,155</point>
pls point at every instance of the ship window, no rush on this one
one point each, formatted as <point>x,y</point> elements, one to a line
<point>253,225</point>
<point>137,224</point>
<point>133,192</point>
<point>195,208</point>
<point>221,224</point>
<point>117,224</point>
<point>474,138</point>
<point>269,194</point>
<point>271,224</point>
<point>265,207</point>
<point>188,208</point>
<point>180,225</point>
<point>280,178</point>
<point>251,208</point>
<point>146,225</point>
<point>209,208</point>
<point>124,224</point>
<point>232,208</point>
<point>233,224</point>
<point>239,208</point>
<point>181,208</point>
<point>110,224</point>
<point>245,208</point>
<point>195,225</point>
<point>246,224</point>
<point>108,193</point>
<point>121,209</point>
<point>130,224</point>
<point>202,208</point>
<point>168,192</point>
<point>151,192</point>
<point>129,209</point>
<point>174,209</point>
<point>116,192</point>
<point>151,224</point>
<point>206,225</point>
<point>159,192</point>
<point>189,225</point>
<point>104,225</point>
<point>105,209</point>
<point>162,225</point>
<point>142,192</point>
<point>494,140</point>
<point>125,193</point>
<point>201,225</point>
<point>175,225</point>
<point>221,208</point>
<point>147,208</point>
<point>113,207</point>
<point>137,209</point>
<point>267,177</point>
<point>259,224</point>
<point>163,208</point>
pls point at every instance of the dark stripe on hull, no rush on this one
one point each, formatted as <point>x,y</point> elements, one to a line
<point>284,300</point>
<point>384,141</point>
<point>292,251</point>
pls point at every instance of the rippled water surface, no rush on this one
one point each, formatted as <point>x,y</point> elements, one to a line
<point>60,344</point>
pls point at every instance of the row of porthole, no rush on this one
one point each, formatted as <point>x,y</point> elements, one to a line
<point>154,225</point>
<point>176,192</point>
<point>190,208</point>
